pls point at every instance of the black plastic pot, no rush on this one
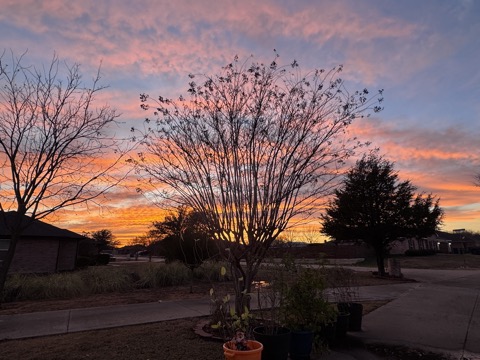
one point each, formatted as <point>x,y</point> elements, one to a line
<point>301,344</point>
<point>275,345</point>
<point>341,329</point>
<point>327,333</point>
<point>356,315</point>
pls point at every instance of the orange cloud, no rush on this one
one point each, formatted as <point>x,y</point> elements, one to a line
<point>127,217</point>
<point>151,46</point>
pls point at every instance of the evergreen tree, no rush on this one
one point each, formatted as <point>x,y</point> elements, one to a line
<point>374,206</point>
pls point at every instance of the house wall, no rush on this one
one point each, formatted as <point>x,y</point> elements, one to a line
<point>35,256</point>
<point>67,254</point>
<point>399,247</point>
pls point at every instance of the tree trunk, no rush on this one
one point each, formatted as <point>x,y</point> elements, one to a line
<point>192,278</point>
<point>380,262</point>
<point>242,286</point>
<point>8,260</point>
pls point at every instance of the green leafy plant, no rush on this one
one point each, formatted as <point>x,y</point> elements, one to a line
<point>305,306</point>
<point>342,284</point>
<point>271,297</point>
<point>224,316</point>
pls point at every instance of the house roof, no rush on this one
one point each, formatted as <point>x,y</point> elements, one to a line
<point>36,228</point>
<point>456,237</point>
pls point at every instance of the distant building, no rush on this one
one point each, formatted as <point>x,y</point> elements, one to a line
<point>458,242</point>
<point>400,246</point>
<point>42,248</point>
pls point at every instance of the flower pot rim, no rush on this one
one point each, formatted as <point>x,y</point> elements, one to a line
<point>302,331</point>
<point>279,330</point>
<point>258,349</point>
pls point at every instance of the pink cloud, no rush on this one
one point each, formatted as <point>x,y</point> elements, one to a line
<point>185,36</point>
<point>151,46</point>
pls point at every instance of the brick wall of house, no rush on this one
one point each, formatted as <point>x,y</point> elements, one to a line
<point>35,256</point>
<point>67,255</point>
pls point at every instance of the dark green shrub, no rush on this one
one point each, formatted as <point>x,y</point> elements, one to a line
<point>84,261</point>
<point>102,259</point>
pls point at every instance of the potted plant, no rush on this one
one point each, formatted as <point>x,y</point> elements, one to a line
<point>306,312</point>
<point>235,329</point>
<point>242,349</point>
<point>344,289</point>
<point>273,333</point>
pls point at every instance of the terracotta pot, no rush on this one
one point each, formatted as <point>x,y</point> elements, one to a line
<point>255,352</point>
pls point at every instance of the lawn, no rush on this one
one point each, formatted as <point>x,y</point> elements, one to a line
<point>438,261</point>
<point>441,261</point>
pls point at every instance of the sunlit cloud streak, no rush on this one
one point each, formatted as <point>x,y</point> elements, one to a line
<point>440,162</point>
<point>425,55</point>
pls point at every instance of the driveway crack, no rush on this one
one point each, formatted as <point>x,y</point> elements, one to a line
<point>468,327</point>
<point>68,320</point>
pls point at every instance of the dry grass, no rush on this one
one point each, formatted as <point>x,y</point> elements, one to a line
<point>438,261</point>
<point>441,261</point>
<point>166,340</point>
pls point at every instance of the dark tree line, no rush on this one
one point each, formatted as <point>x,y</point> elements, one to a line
<point>183,236</point>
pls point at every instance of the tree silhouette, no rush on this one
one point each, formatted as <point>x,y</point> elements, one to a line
<point>254,148</point>
<point>374,206</point>
<point>104,239</point>
<point>51,141</point>
<point>183,236</point>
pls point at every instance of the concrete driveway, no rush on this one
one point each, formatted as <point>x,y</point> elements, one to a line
<point>441,312</point>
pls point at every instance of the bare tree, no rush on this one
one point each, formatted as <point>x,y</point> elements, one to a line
<point>55,148</point>
<point>253,148</point>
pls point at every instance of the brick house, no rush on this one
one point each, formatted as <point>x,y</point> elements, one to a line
<point>457,242</point>
<point>42,248</point>
<point>400,246</point>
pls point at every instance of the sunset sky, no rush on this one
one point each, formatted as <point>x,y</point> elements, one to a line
<point>424,54</point>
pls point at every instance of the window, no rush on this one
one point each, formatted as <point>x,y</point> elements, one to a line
<point>411,244</point>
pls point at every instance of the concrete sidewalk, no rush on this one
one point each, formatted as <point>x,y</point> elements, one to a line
<point>68,321</point>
